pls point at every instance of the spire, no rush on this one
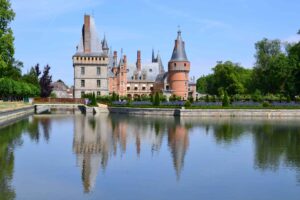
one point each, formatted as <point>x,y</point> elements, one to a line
<point>179,49</point>
<point>161,66</point>
<point>121,58</point>
<point>104,45</point>
<point>153,57</point>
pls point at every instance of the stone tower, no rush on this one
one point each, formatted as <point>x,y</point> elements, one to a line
<point>90,62</point>
<point>179,68</point>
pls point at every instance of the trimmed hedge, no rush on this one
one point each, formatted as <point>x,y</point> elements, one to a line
<point>11,89</point>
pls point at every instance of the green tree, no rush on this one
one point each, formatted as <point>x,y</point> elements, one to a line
<point>32,76</point>
<point>225,100</point>
<point>272,72</point>
<point>294,61</point>
<point>6,38</point>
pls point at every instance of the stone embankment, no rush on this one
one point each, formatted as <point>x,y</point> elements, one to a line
<point>208,112</point>
<point>7,116</point>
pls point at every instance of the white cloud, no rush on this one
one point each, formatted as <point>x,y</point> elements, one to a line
<point>292,39</point>
<point>41,9</point>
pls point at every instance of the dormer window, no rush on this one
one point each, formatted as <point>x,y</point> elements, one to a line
<point>174,64</point>
<point>150,70</point>
<point>185,64</point>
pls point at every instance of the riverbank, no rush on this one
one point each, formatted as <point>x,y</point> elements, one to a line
<point>10,112</point>
<point>207,112</point>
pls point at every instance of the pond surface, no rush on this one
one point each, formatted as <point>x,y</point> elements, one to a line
<point>121,157</point>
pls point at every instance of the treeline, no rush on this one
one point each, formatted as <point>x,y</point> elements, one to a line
<point>14,85</point>
<point>276,73</point>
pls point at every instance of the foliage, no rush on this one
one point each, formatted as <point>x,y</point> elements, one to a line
<point>16,90</point>
<point>6,38</point>
<point>33,76</point>
<point>227,76</point>
<point>272,72</point>
<point>156,99</point>
<point>45,82</point>
<point>174,98</point>
<point>266,104</point>
<point>225,100</point>
<point>257,96</point>
<point>187,104</point>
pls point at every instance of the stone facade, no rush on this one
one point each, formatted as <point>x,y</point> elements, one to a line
<point>96,70</point>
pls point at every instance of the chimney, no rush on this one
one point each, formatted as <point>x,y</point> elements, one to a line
<point>115,58</point>
<point>138,62</point>
<point>87,34</point>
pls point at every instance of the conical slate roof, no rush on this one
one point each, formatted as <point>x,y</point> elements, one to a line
<point>179,49</point>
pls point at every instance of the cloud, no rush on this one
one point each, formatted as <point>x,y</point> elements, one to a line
<point>45,9</point>
<point>292,39</point>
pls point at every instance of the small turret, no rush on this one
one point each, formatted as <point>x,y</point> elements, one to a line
<point>105,46</point>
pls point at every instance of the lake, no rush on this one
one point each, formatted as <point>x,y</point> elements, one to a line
<point>72,156</point>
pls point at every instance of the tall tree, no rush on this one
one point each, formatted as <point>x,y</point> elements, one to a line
<point>272,72</point>
<point>45,82</point>
<point>6,38</point>
<point>33,76</point>
<point>294,61</point>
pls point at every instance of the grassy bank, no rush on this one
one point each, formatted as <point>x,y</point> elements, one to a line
<point>209,107</point>
<point>12,105</point>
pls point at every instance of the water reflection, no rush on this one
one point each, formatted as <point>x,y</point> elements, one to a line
<point>10,139</point>
<point>98,139</point>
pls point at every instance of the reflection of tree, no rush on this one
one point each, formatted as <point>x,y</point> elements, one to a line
<point>34,131</point>
<point>227,132</point>
<point>275,144</point>
<point>10,138</point>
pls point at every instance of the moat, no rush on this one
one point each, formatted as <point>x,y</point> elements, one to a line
<point>72,156</point>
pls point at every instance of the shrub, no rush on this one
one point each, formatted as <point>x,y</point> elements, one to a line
<point>207,98</point>
<point>256,96</point>
<point>266,104</point>
<point>191,99</point>
<point>187,104</point>
<point>226,100</point>
<point>156,99</point>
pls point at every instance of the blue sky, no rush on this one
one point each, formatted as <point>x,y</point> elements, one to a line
<point>47,31</point>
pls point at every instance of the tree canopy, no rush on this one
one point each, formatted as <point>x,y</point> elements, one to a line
<point>276,71</point>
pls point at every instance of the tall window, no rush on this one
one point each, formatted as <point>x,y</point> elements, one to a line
<point>98,83</point>
<point>82,94</point>
<point>98,93</point>
<point>82,70</point>
<point>82,83</point>
<point>98,71</point>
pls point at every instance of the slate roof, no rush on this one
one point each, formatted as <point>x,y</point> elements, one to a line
<point>179,49</point>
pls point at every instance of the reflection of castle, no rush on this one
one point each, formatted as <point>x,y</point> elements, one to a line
<point>91,145</point>
<point>178,142</point>
<point>96,138</point>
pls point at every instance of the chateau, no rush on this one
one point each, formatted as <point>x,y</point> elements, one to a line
<point>98,70</point>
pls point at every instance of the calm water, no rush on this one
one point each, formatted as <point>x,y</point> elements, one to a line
<point>121,157</point>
